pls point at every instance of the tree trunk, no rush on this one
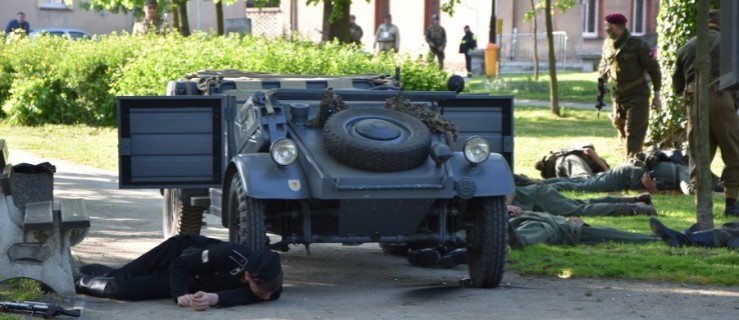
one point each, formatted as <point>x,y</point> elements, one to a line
<point>175,15</point>
<point>699,120</point>
<point>184,22</point>
<point>326,33</point>
<point>553,87</point>
<point>339,27</point>
<point>219,17</point>
<point>536,46</point>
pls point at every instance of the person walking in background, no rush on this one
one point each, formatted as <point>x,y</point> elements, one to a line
<point>436,39</point>
<point>151,22</point>
<point>625,60</point>
<point>387,36</point>
<point>469,43</point>
<point>19,24</point>
<point>355,31</point>
<point>723,120</point>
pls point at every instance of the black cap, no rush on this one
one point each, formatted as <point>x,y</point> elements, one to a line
<point>265,270</point>
<point>150,3</point>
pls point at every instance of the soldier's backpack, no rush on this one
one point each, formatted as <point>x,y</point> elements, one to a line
<point>547,164</point>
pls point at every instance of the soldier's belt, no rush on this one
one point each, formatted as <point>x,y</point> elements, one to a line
<point>629,85</point>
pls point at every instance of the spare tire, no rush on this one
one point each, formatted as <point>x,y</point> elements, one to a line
<point>376,139</point>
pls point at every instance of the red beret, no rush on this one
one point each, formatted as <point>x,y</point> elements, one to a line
<point>616,18</point>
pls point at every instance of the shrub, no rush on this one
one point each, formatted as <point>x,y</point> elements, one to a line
<point>53,80</point>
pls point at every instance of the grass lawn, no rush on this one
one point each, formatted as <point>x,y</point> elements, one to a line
<point>536,132</point>
<point>573,86</point>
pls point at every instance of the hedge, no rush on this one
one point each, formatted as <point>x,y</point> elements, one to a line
<point>54,80</point>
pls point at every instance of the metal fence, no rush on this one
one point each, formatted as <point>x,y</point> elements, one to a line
<point>519,47</point>
<point>266,23</point>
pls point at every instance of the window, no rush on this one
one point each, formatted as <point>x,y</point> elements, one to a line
<point>590,18</point>
<point>639,17</point>
<point>55,4</point>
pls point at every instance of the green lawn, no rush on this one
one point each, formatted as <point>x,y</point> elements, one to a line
<point>574,87</point>
<point>536,132</point>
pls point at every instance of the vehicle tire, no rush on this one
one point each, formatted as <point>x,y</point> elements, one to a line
<point>394,249</point>
<point>179,217</point>
<point>487,241</point>
<point>377,139</point>
<point>246,223</point>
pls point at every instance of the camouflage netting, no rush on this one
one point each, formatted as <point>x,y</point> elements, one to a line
<point>433,120</point>
<point>330,104</point>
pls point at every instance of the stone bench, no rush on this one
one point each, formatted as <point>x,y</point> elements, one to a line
<point>35,241</point>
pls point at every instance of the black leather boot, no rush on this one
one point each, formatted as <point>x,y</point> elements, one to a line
<point>93,286</point>
<point>453,258</point>
<point>669,236</point>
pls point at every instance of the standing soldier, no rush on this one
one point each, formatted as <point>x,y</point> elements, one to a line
<point>723,120</point>
<point>625,60</point>
<point>355,31</point>
<point>469,43</point>
<point>150,23</point>
<point>436,38</point>
<point>387,35</point>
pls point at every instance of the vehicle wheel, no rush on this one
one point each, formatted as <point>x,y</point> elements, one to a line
<point>486,241</point>
<point>246,223</point>
<point>179,217</point>
<point>394,249</point>
<point>377,139</point>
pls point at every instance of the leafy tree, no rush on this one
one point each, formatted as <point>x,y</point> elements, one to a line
<point>531,15</point>
<point>676,23</point>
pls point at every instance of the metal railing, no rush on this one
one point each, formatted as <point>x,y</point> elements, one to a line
<point>519,47</point>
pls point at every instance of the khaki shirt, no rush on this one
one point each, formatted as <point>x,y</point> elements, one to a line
<point>436,36</point>
<point>624,62</point>
<point>144,27</point>
<point>388,34</point>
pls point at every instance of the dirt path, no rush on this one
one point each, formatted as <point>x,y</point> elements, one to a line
<point>359,282</point>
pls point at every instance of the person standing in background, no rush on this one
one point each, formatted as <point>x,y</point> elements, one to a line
<point>436,39</point>
<point>469,43</point>
<point>387,36</point>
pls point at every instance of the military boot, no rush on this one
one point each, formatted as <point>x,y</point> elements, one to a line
<point>669,236</point>
<point>425,258</point>
<point>641,209</point>
<point>453,258</point>
<point>676,239</point>
<point>642,197</point>
<point>732,208</point>
<point>93,286</point>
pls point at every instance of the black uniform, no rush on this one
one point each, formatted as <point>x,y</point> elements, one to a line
<point>186,264</point>
<point>469,43</point>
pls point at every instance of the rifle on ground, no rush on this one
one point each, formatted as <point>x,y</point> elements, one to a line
<point>47,310</point>
<point>601,92</point>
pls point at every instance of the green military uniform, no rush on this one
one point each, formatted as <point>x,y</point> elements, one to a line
<point>547,199</point>
<point>355,33</point>
<point>143,26</point>
<point>436,39</point>
<point>669,175</point>
<point>624,62</point>
<point>388,38</point>
<point>538,227</point>
<point>576,166</point>
<point>723,119</point>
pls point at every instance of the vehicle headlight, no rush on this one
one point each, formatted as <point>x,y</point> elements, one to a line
<point>284,152</point>
<point>476,150</point>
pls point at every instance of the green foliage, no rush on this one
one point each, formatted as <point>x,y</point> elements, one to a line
<point>676,23</point>
<point>54,80</point>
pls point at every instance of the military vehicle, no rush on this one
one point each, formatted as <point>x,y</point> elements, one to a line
<point>349,160</point>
